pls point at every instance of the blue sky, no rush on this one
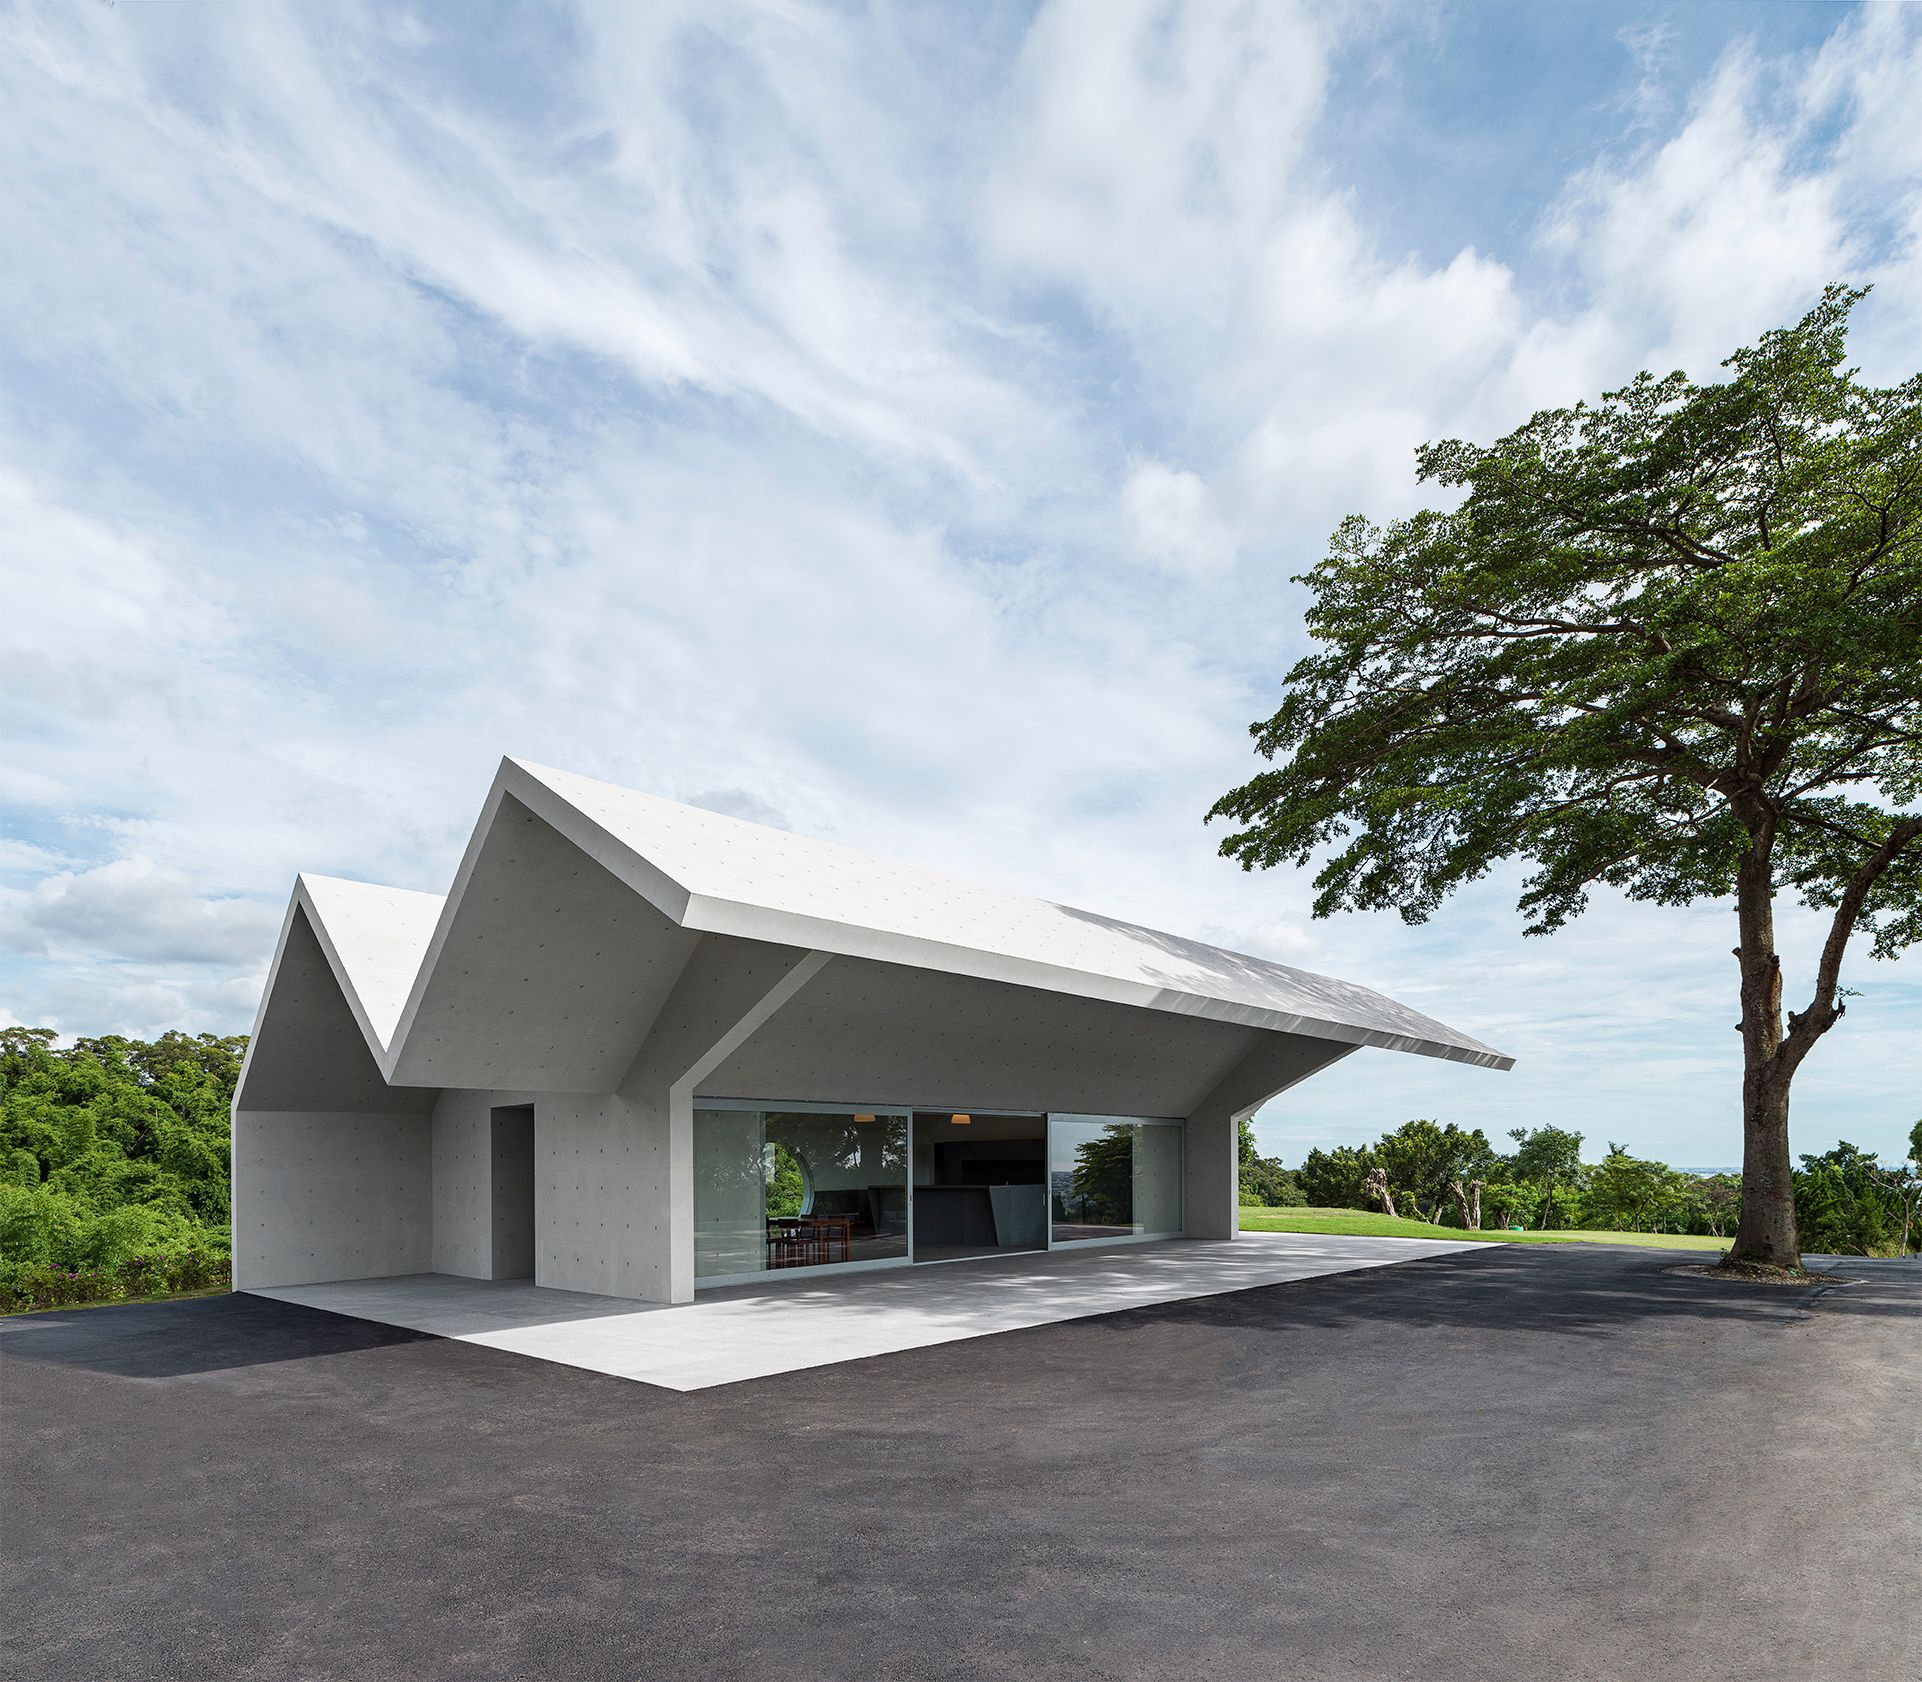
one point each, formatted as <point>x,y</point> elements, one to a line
<point>899,424</point>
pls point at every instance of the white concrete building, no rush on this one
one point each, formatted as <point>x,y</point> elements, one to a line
<point>640,1048</point>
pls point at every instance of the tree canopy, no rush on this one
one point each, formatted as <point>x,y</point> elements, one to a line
<point>113,1147</point>
<point>1669,642</point>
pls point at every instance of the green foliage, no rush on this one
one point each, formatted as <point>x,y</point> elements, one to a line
<point>1636,1195</point>
<point>1266,1184</point>
<point>1103,1183</point>
<point>1645,613</point>
<point>39,1285</point>
<point>1846,1203</point>
<point>1545,1156</point>
<point>786,1188</point>
<point>1423,1157</point>
<point>1333,1179</point>
<point>111,1149</point>
<point>1508,1203</point>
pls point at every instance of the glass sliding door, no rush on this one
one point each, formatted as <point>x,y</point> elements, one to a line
<point>797,1187</point>
<point>980,1183</point>
<point>730,1230</point>
<point>1113,1177</point>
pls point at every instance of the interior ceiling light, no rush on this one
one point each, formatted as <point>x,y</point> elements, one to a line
<point>961,1120</point>
<point>864,1118</point>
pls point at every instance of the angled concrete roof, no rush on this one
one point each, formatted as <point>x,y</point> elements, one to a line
<point>706,873</point>
<point>375,938</point>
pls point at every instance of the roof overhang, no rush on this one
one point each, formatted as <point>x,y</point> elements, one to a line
<point>577,903</point>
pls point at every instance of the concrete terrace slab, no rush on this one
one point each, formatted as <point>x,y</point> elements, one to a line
<point>744,1332</point>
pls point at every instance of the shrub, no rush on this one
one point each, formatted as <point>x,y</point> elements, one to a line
<point>38,1285</point>
<point>40,1225</point>
<point>137,1229</point>
<point>32,1285</point>
<point>1333,1179</point>
<point>198,1270</point>
<point>144,1275</point>
<point>1264,1182</point>
<point>1847,1203</point>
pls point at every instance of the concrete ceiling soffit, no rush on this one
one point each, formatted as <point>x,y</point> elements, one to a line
<point>723,876</point>
<point>546,971</point>
<point>754,922</point>
<point>311,1048</point>
<point>1265,1070</point>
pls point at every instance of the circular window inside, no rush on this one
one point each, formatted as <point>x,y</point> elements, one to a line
<point>786,1184</point>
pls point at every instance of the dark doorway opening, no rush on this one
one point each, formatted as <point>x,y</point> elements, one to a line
<point>513,1192</point>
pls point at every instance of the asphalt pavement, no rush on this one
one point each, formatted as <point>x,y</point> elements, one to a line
<point>1521,1462</point>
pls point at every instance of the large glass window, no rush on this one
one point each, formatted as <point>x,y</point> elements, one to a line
<point>980,1184</point>
<point>1111,1177</point>
<point>797,1188</point>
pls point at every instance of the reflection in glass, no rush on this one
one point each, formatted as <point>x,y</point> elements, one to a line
<point>782,1189</point>
<point>1114,1179</point>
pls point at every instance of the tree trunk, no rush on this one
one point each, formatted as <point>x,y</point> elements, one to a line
<point>1468,1204</point>
<point>1376,1185</point>
<point>1765,1232</point>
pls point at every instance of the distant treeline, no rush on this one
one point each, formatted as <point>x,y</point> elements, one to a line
<point>1846,1202</point>
<point>113,1165</point>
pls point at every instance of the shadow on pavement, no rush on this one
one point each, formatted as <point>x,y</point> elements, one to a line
<point>178,1339</point>
<point>1548,1289</point>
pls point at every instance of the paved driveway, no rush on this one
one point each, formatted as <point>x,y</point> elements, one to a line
<point>785,1322</point>
<point>1515,1462</point>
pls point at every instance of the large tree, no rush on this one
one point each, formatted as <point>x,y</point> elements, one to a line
<point>1670,642</point>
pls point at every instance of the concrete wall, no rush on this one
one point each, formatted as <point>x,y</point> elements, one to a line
<point>726,987</point>
<point>332,1167</point>
<point>462,1198</point>
<point>551,975</point>
<point>325,1194</point>
<point>600,1196</point>
<point>481,1189</point>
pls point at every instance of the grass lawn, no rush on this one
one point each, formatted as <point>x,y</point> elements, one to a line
<point>1360,1223</point>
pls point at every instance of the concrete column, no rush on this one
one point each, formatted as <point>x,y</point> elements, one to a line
<point>1208,1176</point>
<point>727,991</point>
<point>680,1115</point>
<point>1211,1189</point>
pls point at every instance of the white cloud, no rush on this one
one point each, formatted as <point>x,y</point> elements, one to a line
<point>1171,522</point>
<point>1719,229</point>
<point>133,908</point>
